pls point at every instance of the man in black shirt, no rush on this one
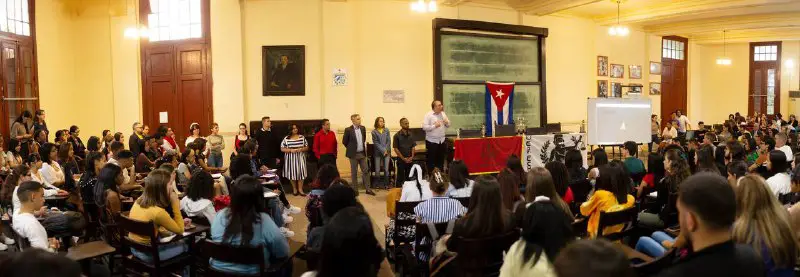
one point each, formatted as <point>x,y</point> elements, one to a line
<point>136,140</point>
<point>403,145</point>
<point>269,144</point>
<point>707,209</point>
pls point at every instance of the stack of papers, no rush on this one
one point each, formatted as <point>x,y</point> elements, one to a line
<point>216,175</point>
<point>270,194</point>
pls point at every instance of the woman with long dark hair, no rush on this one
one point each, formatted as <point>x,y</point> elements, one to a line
<point>460,184</point>
<point>415,188</point>
<point>655,171</point>
<point>243,223</point>
<point>93,144</point>
<point>13,154</point>
<point>486,216</point>
<point>609,196</point>
<point>349,247</point>
<point>509,190</point>
<point>169,139</point>
<point>40,124</point>
<point>545,231</point>
<point>600,158</point>
<point>77,143</point>
<point>561,180</point>
<point>676,171</point>
<point>94,163</point>
<point>194,133</point>
<point>705,160</point>
<point>514,166</point>
<point>574,162</point>
<point>52,172</point>
<point>326,176</point>
<point>780,182</point>
<point>21,131</point>
<point>106,192</point>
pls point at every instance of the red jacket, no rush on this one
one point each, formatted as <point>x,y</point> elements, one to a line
<point>325,143</point>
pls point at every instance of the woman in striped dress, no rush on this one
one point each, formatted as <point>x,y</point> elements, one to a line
<point>294,147</point>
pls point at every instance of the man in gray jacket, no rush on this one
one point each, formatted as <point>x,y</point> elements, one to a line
<point>354,140</point>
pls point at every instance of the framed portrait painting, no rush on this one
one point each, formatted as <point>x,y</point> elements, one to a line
<point>635,72</point>
<point>655,88</point>
<point>655,68</point>
<point>617,71</point>
<point>602,66</point>
<point>602,88</point>
<point>284,70</point>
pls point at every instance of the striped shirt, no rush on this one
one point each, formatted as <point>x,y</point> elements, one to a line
<point>295,166</point>
<point>439,209</point>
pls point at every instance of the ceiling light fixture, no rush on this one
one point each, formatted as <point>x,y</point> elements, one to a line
<point>724,60</point>
<point>618,30</point>
<point>421,6</point>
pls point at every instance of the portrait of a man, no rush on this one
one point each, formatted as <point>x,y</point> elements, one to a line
<point>284,70</point>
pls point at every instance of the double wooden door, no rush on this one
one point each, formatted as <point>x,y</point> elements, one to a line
<point>177,86</point>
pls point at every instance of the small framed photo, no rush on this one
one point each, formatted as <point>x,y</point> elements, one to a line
<point>655,68</point>
<point>616,89</point>
<point>602,88</point>
<point>635,72</point>
<point>602,66</point>
<point>635,88</point>
<point>655,88</point>
<point>617,71</point>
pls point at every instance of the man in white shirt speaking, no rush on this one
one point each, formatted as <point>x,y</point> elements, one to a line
<point>435,126</point>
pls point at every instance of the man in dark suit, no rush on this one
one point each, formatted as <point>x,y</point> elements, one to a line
<point>354,140</point>
<point>284,76</point>
<point>269,144</point>
<point>136,140</point>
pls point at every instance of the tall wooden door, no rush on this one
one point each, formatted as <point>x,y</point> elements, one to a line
<point>176,65</point>
<point>674,56</point>
<point>765,78</point>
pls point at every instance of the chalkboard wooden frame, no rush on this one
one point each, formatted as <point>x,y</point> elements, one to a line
<point>499,30</point>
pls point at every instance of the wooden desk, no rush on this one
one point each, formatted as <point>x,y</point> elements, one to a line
<point>84,254</point>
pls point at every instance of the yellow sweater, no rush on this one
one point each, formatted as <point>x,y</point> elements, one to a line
<point>160,217</point>
<point>603,201</point>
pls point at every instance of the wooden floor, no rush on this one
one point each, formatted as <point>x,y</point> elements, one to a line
<point>376,208</point>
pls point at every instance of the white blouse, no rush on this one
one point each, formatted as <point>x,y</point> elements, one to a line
<point>411,193</point>
<point>51,174</point>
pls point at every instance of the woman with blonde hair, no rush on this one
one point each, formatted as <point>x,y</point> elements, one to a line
<point>763,223</point>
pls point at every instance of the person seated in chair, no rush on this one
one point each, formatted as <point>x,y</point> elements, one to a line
<point>633,164</point>
<point>199,196</point>
<point>31,195</point>
<point>152,206</point>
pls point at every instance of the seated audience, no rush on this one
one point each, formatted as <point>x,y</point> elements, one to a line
<point>460,184</point>
<point>734,151</point>
<point>762,222</point>
<point>94,164</point>
<point>546,229</point>
<point>720,159</point>
<point>25,223</point>
<point>199,194</point>
<point>241,165</point>
<point>415,189</point>
<point>439,208</point>
<point>147,158</point>
<point>705,160</point>
<point>486,216</point>
<point>736,170</point>
<point>326,176</point>
<point>152,206</point>
<point>600,158</point>
<point>655,172</point>
<point>594,258</point>
<point>633,164</point>
<point>107,195</point>
<point>509,189</point>
<point>243,224</point>
<point>560,179</point>
<point>13,154</point>
<point>707,208</point>
<point>93,144</point>
<point>336,198</point>
<point>40,263</point>
<point>542,185</point>
<point>514,166</point>
<point>610,195</point>
<point>51,171</point>
<point>124,159</point>
<point>794,210</point>
<point>31,169</point>
<point>780,144</point>
<point>349,247</point>
<point>677,170</point>
<point>780,182</point>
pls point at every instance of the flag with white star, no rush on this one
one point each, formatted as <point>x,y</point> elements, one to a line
<point>499,105</point>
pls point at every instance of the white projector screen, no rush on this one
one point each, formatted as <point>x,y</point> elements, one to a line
<point>617,120</point>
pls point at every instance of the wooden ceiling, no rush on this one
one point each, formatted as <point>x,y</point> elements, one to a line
<point>701,20</point>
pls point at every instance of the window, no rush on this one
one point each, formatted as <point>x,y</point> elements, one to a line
<point>672,49</point>
<point>14,17</point>
<point>765,53</point>
<point>175,19</point>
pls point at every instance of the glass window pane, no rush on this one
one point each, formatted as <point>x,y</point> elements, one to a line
<point>774,49</point>
<point>775,57</point>
<point>25,16</point>
<point>164,33</point>
<point>154,6</point>
<point>184,13</point>
<point>19,27</point>
<point>18,10</point>
<point>152,21</point>
<point>664,43</point>
<point>196,31</point>
<point>163,7</point>
<point>196,14</point>
<point>680,46</point>
<point>10,9</point>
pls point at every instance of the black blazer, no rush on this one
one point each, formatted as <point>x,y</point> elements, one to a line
<point>351,143</point>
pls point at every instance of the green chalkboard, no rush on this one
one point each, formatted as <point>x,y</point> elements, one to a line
<point>466,107</point>
<point>467,57</point>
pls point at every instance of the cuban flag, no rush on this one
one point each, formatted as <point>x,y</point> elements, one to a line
<point>499,105</point>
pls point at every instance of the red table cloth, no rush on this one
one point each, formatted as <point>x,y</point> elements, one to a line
<point>487,155</point>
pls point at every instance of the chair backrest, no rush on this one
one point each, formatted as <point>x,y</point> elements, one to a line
<point>464,201</point>
<point>536,131</point>
<point>423,231</point>
<point>22,242</point>
<point>141,228</point>
<point>553,127</point>
<point>627,217</point>
<point>470,133</point>
<point>244,255</point>
<point>505,130</point>
<point>653,267</point>
<point>484,256</point>
<point>403,208</point>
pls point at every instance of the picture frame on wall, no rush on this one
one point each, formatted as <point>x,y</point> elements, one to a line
<point>655,68</point>
<point>616,89</point>
<point>602,88</point>
<point>635,72</point>
<point>283,70</point>
<point>617,71</point>
<point>655,88</point>
<point>602,65</point>
<point>635,88</point>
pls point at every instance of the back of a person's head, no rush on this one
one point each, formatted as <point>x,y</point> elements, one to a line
<point>326,175</point>
<point>540,183</point>
<point>116,146</point>
<point>244,210</point>
<point>509,188</point>
<point>438,181</point>
<point>709,198</point>
<point>735,150</point>
<point>240,165</point>
<point>124,154</point>
<point>762,222</point>
<point>655,164</point>
<point>27,189</point>
<point>546,228</point>
<point>560,176</point>
<point>39,263</point>
<point>337,198</point>
<point>777,162</point>
<point>350,247</point>
<point>738,168</point>
<point>486,216</point>
<point>592,258</point>
<point>573,159</point>
<point>705,160</point>
<point>12,180</point>
<point>622,183</point>
<point>155,190</point>
<point>201,186</point>
<point>599,157</point>
<point>631,147</point>
<point>514,163</point>
<point>459,174</point>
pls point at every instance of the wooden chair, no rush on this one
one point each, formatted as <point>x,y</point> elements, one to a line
<point>84,253</point>
<point>505,130</point>
<point>398,248</point>
<point>579,227</point>
<point>469,133</point>
<point>625,217</point>
<point>653,267</point>
<point>482,257</point>
<point>245,256</point>
<point>22,242</point>
<point>157,267</point>
<point>424,232</point>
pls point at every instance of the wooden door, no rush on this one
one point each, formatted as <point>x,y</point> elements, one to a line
<point>159,90</point>
<point>674,57</point>
<point>192,87</point>
<point>765,78</point>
